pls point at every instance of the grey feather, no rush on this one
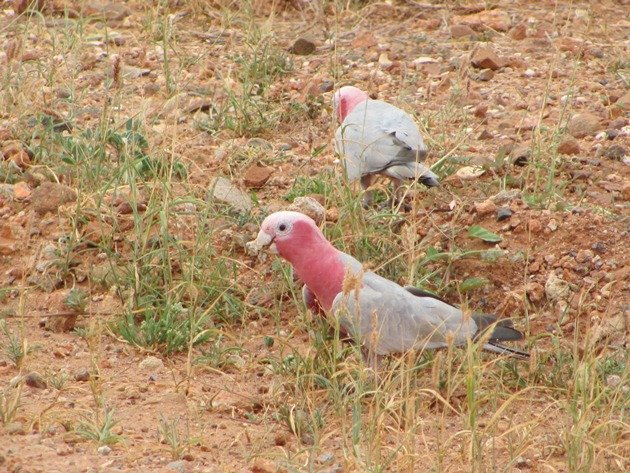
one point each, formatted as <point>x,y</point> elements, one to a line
<point>388,319</point>
<point>377,137</point>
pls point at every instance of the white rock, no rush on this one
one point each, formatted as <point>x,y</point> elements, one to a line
<point>151,363</point>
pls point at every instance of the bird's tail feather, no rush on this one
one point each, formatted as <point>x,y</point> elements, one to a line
<point>507,351</point>
<point>413,170</point>
<point>502,329</point>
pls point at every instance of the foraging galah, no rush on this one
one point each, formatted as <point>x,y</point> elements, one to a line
<point>376,137</point>
<point>382,315</point>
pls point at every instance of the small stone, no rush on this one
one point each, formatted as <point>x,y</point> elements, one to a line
<point>104,450</point>
<point>325,457</point>
<point>49,196</point>
<point>612,134</point>
<point>583,124</point>
<point>616,152</point>
<point>556,288</point>
<point>503,213</point>
<point>461,31</point>
<point>302,47</point>
<point>480,110</point>
<point>178,466</point>
<point>256,176</point>
<point>151,363</point>
<point>34,380</point>
<point>613,380</point>
<point>623,102</point>
<point>486,207</point>
<point>21,159</point>
<point>311,207</point>
<point>520,155</point>
<point>82,376</point>
<point>61,323</point>
<point>552,225</point>
<point>535,291</point>
<point>485,75</point>
<point>584,256</point>
<point>224,191</point>
<point>15,428</point>
<point>599,247</point>
<point>262,465</point>
<point>486,58</point>
<point>468,173</point>
<point>534,226</point>
<point>21,190</point>
<point>569,146</point>
<point>384,61</point>
<point>519,32</point>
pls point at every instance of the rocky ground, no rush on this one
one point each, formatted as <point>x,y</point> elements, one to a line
<point>143,142</point>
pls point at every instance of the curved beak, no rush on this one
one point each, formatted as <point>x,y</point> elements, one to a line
<point>264,239</point>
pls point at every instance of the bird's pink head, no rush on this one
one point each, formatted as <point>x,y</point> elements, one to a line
<point>345,99</point>
<point>315,260</point>
<point>290,234</point>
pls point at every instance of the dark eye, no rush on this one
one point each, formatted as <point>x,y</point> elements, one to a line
<point>282,227</point>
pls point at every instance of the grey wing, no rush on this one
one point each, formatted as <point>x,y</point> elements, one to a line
<point>387,319</point>
<point>376,137</point>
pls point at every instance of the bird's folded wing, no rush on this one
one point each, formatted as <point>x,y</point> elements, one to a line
<point>386,318</point>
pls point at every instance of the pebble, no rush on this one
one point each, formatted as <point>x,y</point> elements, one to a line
<point>486,207</point>
<point>104,450</point>
<point>556,288</point>
<point>461,31</point>
<point>569,146</point>
<point>34,380</point>
<point>303,47</point>
<point>224,191</point>
<point>583,256</point>
<point>15,428</point>
<point>486,58</point>
<point>178,466</point>
<point>503,213</point>
<point>82,376</point>
<point>151,363</point>
<point>49,196</point>
<point>256,176</point>
<point>552,225</point>
<point>613,380</point>
<point>311,207</point>
<point>583,124</point>
<point>616,152</point>
<point>325,457</point>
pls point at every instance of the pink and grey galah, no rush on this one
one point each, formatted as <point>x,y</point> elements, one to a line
<point>380,314</point>
<point>376,137</point>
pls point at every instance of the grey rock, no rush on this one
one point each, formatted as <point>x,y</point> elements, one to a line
<point>151,363</point>
<point>222,190</point>
<point>104,450</point>
<point>504,213</point>
<point>556,288</point>
<point>616,152</point>
<point>325,457</point>
<point>178,466</point>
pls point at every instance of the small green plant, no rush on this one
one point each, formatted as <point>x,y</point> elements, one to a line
<point>98,427</point>
<point>168,430</point>
<point>15,347</point>
<point>76,300</point>
<point>10,402</point>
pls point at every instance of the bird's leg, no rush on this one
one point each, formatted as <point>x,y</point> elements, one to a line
<point>397,197</point>
<point>373,360</point>
<point>366,182</point>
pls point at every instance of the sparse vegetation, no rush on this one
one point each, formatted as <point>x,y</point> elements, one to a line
<point>129,113</point>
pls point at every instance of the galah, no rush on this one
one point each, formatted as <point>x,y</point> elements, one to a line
<point>376,137</point>
<point>382,315</point>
